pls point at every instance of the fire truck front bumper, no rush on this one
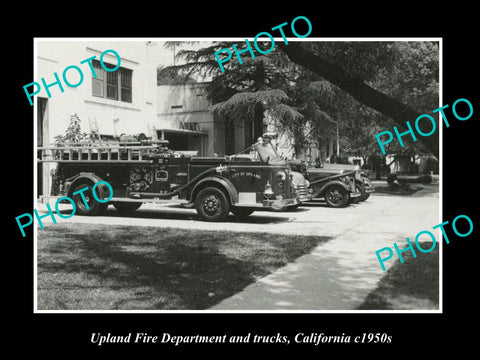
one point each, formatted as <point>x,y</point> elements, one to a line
<point>278,204</point>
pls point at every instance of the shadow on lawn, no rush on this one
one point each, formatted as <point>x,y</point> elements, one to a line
<point>258,217</point>
<point>413,285</point>
<point>152,268</point>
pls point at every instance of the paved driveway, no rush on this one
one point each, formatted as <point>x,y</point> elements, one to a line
<point>338,274</point>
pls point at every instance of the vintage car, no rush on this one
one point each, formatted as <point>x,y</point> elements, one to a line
<point>147,171</point>
<point>362,182</point>
<point>338,184</point>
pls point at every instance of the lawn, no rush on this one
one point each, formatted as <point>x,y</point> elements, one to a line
<point>98,267</point>
<point>413,285</point>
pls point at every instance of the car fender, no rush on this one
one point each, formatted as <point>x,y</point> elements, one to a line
<point>218,181</point>
<point>320,189</point>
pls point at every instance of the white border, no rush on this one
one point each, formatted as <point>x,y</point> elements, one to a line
<point>307,39</point>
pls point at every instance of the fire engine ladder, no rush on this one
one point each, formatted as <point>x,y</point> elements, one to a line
<point>121,153</point>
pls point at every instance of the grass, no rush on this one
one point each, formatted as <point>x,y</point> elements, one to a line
<point>97,267</point>
<point>413,285</point>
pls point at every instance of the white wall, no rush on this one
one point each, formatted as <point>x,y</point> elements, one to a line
<point>56,55</point>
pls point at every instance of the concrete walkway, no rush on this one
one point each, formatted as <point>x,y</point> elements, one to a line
<point>339,274</point>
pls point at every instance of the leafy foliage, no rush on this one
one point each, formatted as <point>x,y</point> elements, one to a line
<point>169,76</point>
<point>414,76</point>
<point>242,105</point>
<point>73,133</point>
<point>75,137</point>
<point>361,59</point>
<point>307,106</point>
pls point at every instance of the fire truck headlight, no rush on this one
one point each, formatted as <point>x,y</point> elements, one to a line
<point>281,184</point>
<point>282,175</point>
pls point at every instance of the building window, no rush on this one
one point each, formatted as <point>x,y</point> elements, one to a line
<point>115,85</point>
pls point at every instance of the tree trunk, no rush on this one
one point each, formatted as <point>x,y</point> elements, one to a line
<point>363,93</point>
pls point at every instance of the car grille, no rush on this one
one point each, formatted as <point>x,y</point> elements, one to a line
<point>302,192</point>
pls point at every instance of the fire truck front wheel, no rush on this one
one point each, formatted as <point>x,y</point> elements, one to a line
<point>212,204</point>
<point>86,204</point>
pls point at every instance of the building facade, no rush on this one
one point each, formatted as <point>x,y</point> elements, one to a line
<point>110,103</point>
<point>185,120</point>
<point>125,101</point>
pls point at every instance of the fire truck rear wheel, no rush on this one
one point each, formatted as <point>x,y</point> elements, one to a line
<point>212,204</point>
<point>94,207</point>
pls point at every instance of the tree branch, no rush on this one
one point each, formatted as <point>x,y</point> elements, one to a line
<point>359,90</point>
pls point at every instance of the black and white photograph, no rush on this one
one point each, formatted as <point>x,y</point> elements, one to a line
<point>241,181</point>
<point>244,184</point>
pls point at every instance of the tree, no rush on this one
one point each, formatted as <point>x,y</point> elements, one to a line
<point>169,76</point>
<point>378,84</point>
<point>355,85</point>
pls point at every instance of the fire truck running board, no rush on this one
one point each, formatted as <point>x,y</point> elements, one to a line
<point>45,199</point>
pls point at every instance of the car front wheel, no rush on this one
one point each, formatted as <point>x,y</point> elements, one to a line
<point>336,196</point>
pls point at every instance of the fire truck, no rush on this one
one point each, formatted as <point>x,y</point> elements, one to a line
<point>148,171</point>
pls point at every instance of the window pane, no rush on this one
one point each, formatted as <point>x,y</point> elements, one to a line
<point>126,85</point>
<point>112,92</point>
<point>97,88</point>
<point>98,83</point>
<point>126,94</point>
<point>112,78</point>
<point>112,85</point>
<point>98,70</point>
<point>126,76</point>
<point>109,66</point>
